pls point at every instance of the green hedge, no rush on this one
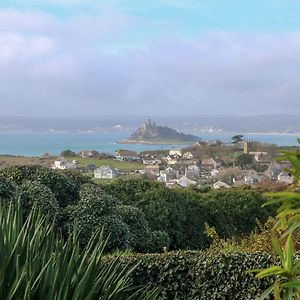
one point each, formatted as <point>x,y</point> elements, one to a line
<point>200,274</point>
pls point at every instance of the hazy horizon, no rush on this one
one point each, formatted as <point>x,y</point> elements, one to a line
<point>80,58</point>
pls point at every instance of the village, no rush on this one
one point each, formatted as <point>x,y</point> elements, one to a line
<point>202,164</point>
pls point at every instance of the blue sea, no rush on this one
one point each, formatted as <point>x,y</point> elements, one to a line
<point>39,143</point>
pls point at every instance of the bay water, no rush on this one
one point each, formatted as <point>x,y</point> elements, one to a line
<point>39,143</point>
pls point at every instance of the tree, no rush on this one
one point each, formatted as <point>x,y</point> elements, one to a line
<point>138,226</point>
<point>130,191</point>
<point>244,160</point>
<point>237,138</point>
<point>165,210</point>
<point>97,210</point>
<point>67,153</point>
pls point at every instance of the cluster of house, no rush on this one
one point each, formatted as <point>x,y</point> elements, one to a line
<point>182,168</point>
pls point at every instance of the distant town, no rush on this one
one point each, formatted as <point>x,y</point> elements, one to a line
<point>202,164</point>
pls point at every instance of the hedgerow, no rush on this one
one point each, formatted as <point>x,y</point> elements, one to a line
<point>204,275</point>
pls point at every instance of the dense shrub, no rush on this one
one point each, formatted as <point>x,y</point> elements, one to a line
<point>64,187</point>
<point>165,210</point>
<point>7,188</point>
<point>138,226</point>
<point>96,210</point>
<point>159,241</point>
<point>201,275</point>
<point>34,193</point>
<point>130,191</point>
<point>182,214</point>
<point>231,212</point>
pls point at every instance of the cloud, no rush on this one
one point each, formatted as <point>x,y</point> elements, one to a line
<point>50,66</point>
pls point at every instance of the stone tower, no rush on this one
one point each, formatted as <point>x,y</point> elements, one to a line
<point>245,147</point>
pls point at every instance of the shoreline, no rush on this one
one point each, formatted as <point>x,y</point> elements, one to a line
<point>134,142</point>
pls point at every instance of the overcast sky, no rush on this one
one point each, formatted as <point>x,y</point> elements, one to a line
<point>158,57</point>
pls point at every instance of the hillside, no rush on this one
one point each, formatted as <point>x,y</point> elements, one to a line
<point>150,133</point>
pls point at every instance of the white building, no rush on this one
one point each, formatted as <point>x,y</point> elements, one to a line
<point>183,181</point>
<point>220,185</point>
<point>62,164</point>
<point>285,178</point>
<point>106,172</point>
<point>151,161</point>
<point>175,152</point>
<point>168,174</point>
<point>126,155</point>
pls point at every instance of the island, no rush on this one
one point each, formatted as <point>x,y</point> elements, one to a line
<point>150,133</point>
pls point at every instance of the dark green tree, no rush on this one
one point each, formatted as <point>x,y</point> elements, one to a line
<point>130,191</point>
<point>34,193</point>
<point>244,160</point>
<point>237,138</point>
<point>7,188</point>
<point>67,153</point>
<point>64,187</point>
<point>95,210</point>
<point>165,210</point>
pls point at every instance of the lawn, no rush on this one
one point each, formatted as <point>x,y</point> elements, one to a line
<point>8,161</point>
<point>121,165</point>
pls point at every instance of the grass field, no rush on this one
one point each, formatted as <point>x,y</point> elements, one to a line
<point>7,161</point>
<point>121,165</point>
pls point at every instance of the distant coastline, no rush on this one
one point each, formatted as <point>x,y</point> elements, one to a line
<point>160,142</point>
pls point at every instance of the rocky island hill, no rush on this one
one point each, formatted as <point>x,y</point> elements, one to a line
<point>150,133</point>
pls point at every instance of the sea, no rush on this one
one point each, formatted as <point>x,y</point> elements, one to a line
<point>35,144</point>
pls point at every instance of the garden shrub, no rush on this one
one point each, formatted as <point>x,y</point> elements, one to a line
<point>64,187</point>
<point>34,193</point>
<point>7,189</point>
<point>204,275</point>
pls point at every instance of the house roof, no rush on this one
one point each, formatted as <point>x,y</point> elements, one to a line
<point>284,174</point>
<point>105,168</point>
<point>126,153</point>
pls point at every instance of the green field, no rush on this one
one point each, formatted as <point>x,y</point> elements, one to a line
<point>121,165</point>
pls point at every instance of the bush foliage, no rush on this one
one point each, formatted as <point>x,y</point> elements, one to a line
<point>204,275</point>
<point>137,215</point>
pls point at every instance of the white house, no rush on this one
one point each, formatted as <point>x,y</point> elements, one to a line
<point>168,174</point>
<point>261,156</point>
<point>221,185</point>
<point>151,161</point>
<point>251,179</point>
<point>213,162</point>
<point>214,172</point>
<point>285,178</point>
<point>183,181</point>
<point>171,160</point>
<point>126,155</point>
<point>175,152</point>
<point>273,170</point>
<point>87,153</point>
<point>106,172</point>
<point>62,164</point>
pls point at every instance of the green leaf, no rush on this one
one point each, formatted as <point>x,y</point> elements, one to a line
<point>276,246</point>
<point>289,253</point>
<point>266,293</point>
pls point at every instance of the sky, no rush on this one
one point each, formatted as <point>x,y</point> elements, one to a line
<point>141,57</point>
